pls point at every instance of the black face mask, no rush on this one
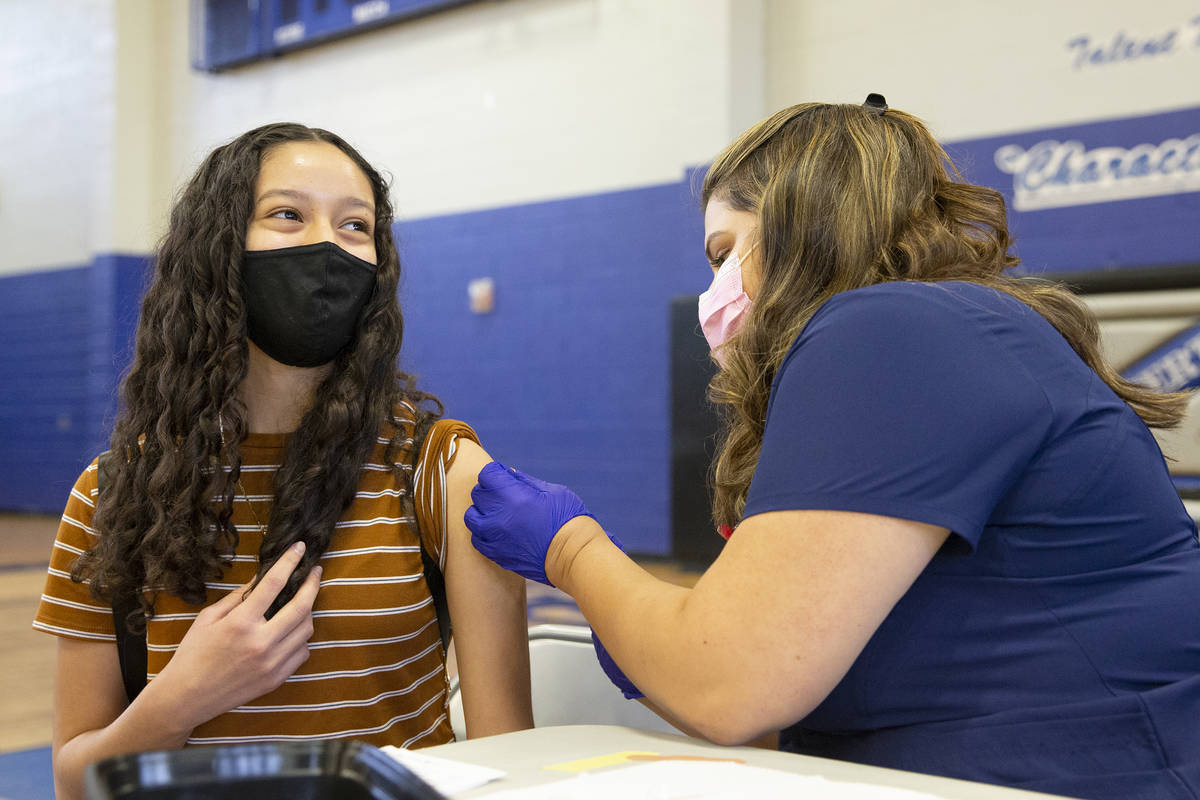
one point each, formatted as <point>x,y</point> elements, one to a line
<point>303,303</point>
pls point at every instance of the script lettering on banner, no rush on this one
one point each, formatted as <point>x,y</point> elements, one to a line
<point>1052,174</point>
<point>1172,366</point>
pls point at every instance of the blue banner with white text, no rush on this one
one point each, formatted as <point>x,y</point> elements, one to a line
<point>1117,194</point>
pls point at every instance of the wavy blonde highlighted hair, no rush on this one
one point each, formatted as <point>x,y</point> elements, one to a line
<point>846,198</point>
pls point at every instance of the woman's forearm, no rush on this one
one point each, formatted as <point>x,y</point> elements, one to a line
<point>769,629</point>
<point>649,628</point>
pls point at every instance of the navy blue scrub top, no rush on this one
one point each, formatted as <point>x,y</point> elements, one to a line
<point>1053,643</point>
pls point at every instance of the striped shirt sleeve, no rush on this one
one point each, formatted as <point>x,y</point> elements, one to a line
<point>67,608</point>
<point>429,482</point>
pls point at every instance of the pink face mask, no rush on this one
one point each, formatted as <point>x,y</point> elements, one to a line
<point>724,304</point>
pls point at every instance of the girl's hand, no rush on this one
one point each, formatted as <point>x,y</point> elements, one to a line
<point>514,518</point>
<point>232,654</point>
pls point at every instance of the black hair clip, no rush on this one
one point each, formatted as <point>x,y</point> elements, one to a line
<point>876,103</point>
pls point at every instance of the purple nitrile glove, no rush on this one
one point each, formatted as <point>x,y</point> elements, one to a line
<point>513,518</point>
<point>614,672</point>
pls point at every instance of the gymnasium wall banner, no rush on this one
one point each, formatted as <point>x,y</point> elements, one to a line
<point>1110,195</point>
<point>1173,366</point>
<point>229,33</point>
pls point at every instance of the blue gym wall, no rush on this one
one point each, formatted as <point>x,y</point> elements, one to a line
<point>568,377</point>
<point>45,325</point>
<point>67,336</point>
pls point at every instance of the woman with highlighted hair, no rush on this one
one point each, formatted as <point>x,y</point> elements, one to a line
<point>955,548</point>
<point>272,490</point>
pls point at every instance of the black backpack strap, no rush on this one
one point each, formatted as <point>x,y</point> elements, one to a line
<point>437,588</point>
<point>433,573</point>
<point>131,647</point>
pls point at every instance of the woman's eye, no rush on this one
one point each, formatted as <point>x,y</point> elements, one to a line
<point>716,261</point>
<point>286,213</point>
<point>358,225</point>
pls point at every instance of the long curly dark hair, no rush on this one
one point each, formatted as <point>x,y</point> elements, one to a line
<point>165,520</point>
<point>846,198</point>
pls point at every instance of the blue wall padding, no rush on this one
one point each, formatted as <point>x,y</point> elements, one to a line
<point>568,377</point>
<point>66,339</point>
<point>118,283</point>
<point>44,423</point>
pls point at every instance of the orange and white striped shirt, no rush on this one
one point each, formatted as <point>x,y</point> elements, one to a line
<point>376,669</point>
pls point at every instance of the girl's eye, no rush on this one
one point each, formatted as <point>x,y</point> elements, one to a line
<point>358,225</point>
<point>716,261</point>
<point>287,213</point>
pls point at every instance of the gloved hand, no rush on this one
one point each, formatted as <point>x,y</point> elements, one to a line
<point>613,672</point>
<point>513,518</point>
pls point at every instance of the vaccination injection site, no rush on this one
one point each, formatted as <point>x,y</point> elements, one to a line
<point>574,399</point>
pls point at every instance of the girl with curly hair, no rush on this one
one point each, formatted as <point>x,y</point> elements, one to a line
<point>271,486</point>
<point>956,547</point>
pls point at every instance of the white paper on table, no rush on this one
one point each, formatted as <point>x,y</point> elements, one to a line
<point>444,774</point>
<point>676,780</point>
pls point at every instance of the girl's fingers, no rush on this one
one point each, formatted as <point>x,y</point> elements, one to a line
<point>232,599</point>
<point>272,583</point>
<point>299,608</point>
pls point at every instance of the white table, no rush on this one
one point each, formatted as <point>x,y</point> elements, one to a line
<point>525,754</point>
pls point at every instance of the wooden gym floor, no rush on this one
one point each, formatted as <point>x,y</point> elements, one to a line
<point>27,658</point>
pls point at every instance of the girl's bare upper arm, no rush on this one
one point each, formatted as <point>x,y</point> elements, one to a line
<point>88,690</point>
<point>487,609</point>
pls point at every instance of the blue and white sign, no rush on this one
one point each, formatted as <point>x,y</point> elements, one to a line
<point>1106,195</point>
<point>233,32</point>
<point>1052,174</point>
<point>1173,366</point>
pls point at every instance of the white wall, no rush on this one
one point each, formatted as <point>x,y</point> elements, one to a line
<point>56,140</point>
<point>141,184</point>
<point>490,104</point>
<point>497,103</point>
<point>974,68</point>
<point>510,101</point>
